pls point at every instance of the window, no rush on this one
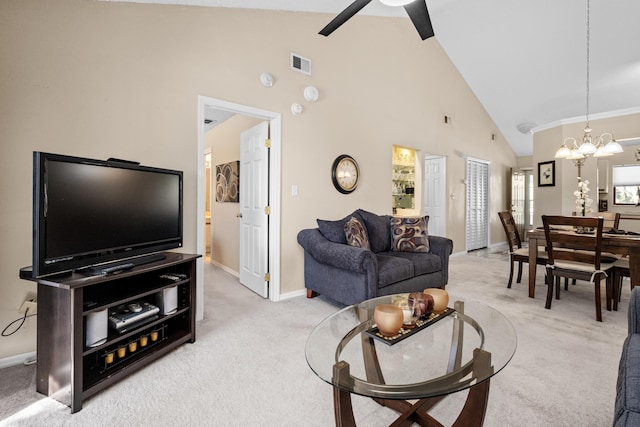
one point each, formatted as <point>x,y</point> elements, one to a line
<point>530,189</point>
<point>626,185</point>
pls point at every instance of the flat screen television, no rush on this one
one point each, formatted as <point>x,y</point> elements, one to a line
<point>91,212</point>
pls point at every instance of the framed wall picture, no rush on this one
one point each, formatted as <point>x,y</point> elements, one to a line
<point>603,205</point>
<point>228,182</point>
<point>547,174</point>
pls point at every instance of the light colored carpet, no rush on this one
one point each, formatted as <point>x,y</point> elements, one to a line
<point>247,367</point>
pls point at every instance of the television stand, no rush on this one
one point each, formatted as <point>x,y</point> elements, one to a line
<point>70,371</point>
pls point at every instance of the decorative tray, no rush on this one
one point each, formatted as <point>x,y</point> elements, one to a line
<point>406,332</point>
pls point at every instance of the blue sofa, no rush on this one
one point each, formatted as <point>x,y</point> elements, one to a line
<point>627,407</point>
<point>350,275</point>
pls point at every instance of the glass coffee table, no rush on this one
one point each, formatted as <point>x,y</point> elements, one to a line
<point>462,350</point>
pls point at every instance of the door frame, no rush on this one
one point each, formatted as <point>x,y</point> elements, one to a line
<point>208,151</point>
<point>275,124</point>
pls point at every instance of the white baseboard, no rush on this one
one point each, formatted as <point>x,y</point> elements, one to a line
<point>288,295</point>
<point>492,246</point>
<point>225,268</point>
<point>234,273</point>
<point>18,359</point>
<point>495,245</point>
<point>294,294</point>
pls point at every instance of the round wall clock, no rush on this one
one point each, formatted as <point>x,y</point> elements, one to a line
<point>345,174</point>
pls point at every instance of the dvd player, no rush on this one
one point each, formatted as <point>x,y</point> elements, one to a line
<point>127,314</point>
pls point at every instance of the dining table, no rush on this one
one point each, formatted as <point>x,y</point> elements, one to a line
<point>623,244</point>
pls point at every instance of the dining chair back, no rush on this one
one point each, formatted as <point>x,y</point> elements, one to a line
<point>611,219</point>
<point>516,252</point>
<point>510,228</point>
<point>574,248</point>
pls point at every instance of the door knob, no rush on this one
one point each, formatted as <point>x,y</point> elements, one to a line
<point>239,215</point>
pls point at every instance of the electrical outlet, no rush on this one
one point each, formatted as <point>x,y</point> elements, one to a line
<point>32,306</point>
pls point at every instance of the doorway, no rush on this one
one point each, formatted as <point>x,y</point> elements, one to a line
<point>275,125</point>
<point>518,195</point>
<point>522,200</point>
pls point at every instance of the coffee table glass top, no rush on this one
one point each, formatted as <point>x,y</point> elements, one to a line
<point>437,360</point>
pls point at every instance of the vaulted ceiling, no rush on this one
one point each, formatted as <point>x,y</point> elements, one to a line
<point>525,60</point>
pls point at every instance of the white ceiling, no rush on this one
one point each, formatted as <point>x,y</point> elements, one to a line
<point>525,60</point>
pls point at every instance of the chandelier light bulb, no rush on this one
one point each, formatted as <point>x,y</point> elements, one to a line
<point>613,147</point>
<point>563,152</point>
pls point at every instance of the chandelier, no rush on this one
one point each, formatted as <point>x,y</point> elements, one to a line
<point>599,146</point>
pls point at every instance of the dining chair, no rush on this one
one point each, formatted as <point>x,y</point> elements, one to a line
<point>576,255</point>
<point>611,220</point>
<point>621,270</point>
<point>516,252</point>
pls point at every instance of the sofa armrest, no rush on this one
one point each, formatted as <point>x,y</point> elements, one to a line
<point>335,254</point>
<point>634,311</point>
<point>443,247</point>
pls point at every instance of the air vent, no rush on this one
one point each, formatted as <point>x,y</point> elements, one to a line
<point>300,63</point>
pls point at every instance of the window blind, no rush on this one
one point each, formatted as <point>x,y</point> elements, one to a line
<point>626,175</point>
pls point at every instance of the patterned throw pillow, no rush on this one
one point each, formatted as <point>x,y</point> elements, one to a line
<point>356,234</point>
<point>409,234</point>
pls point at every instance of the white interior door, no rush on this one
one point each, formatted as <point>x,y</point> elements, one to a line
<point>477,204</point>
<point>254,201</point>
<point>435,199</point>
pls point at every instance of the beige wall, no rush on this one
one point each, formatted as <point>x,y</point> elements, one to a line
<point>525,162</point>
<point>224,141</point>
<point>102,79</point>
<point>559,200</point>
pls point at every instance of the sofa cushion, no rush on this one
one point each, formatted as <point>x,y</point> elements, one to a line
<point>356,234</point>
<point>409,234</point>
<point>422,263</point>
<point>393,269</point>
<point>628,393</point>
<point>377,229</point>
<point>334,230</point>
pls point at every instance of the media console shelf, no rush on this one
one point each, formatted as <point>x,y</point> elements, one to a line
<point>68,370</point>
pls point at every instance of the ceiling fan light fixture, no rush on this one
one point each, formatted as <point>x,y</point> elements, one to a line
<point>394,3</point>
<point>417,11</point>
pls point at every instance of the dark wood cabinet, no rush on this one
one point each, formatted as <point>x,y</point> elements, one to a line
<point>68,370</point>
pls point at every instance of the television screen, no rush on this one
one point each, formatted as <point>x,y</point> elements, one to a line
<point>89,212</point>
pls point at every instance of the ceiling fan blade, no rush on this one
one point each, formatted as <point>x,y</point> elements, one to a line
<point>419,15</point>
<point>344,16</point>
